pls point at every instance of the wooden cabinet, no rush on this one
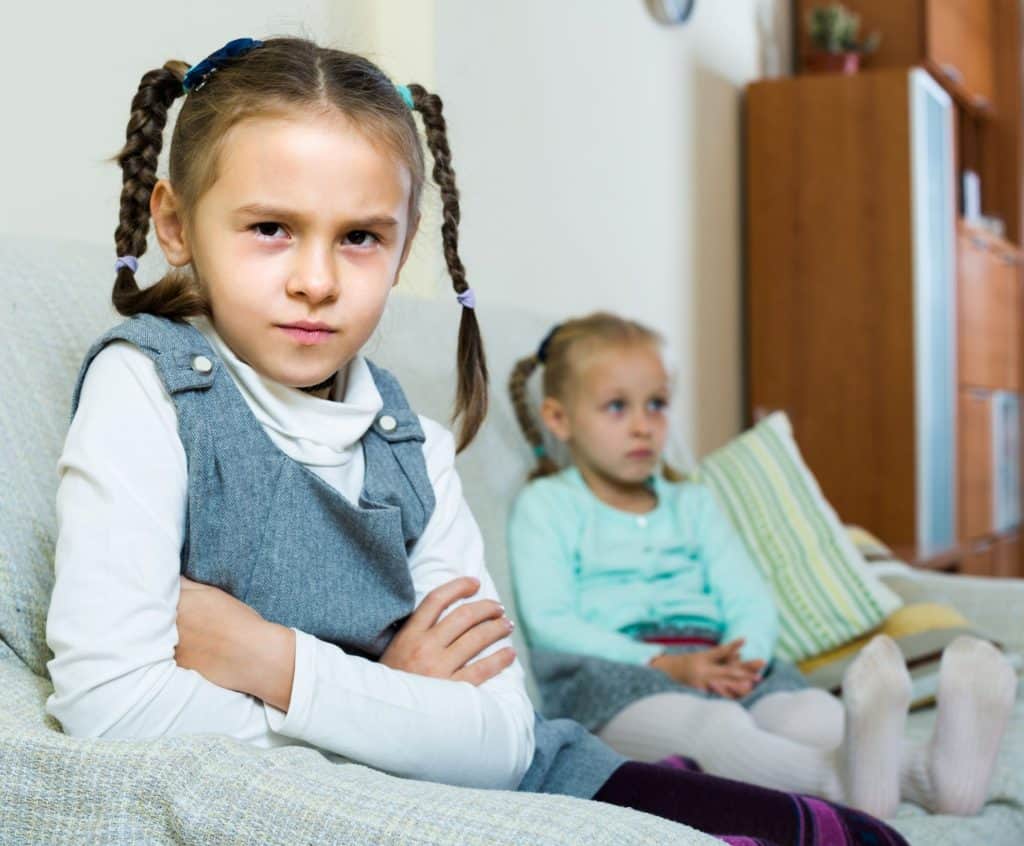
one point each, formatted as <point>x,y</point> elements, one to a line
<point>976,520</point>
<point>979,560</point>
<point>1006,560</point>
<point>887,329</point>
<point>999,557</point>
<point>973,47</point>
<point>851,292</point>
<point>990,349</point>
<point>989,300</point>
<point>958,35</point>
<point>848,301</point>
<point>952,38</point>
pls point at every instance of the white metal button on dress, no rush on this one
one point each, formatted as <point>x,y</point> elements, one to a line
<point>201,364</point>
<point>388,423</point>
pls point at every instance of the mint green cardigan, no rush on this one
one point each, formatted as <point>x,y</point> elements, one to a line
<point>585,573</point>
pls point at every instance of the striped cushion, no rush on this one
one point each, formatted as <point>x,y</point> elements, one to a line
<point>824,591</point>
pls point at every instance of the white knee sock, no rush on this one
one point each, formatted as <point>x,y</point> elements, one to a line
<point>950,774</point>
<point>813,717</point>
<point>876,693</point>
<point>726,741</point>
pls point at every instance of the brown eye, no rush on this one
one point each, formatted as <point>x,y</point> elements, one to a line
<point>362,238</point>
<point>267,229</point>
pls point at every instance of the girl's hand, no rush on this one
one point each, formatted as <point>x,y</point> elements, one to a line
<point>231,645</point>
<point>729,655</point>
<point>443,649</point>
<point>718,670</point>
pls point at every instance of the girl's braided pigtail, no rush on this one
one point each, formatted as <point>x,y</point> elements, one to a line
<point>670,474</point>
<point>158,89</point>
<point>471,394</point>
<point>521,404</point>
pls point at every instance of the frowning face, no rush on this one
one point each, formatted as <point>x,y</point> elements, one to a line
<point>298,242</point>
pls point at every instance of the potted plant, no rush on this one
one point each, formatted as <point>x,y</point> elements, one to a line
<point>833,32</point>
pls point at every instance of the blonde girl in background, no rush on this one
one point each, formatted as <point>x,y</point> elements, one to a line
<point>649,623</point>
<point>258,537</point>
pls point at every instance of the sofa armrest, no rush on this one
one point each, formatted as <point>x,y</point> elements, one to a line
<point>996,606</point>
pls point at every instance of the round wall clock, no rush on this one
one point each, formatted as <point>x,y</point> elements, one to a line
<point>671,11</point>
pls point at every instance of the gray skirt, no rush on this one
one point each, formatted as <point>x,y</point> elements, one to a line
<point>592,690</point>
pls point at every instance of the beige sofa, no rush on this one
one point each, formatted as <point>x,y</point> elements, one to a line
<point>55,789</point>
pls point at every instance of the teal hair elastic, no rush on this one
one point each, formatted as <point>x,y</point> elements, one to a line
<point>539,450</point>
<point>406,95</point>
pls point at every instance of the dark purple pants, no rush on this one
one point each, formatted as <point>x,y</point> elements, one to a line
<point>738,813</point>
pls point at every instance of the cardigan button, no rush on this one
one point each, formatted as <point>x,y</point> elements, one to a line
<point>201,364</point>
<point>388,423</point>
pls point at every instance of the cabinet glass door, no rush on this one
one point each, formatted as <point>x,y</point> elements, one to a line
<point>934,223</point>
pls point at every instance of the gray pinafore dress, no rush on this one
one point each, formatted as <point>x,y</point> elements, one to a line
<point>258,524</point>
<point>592,690</point>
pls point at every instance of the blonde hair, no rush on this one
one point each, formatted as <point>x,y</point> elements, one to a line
<point>280,76</point>
<point>561,353</point>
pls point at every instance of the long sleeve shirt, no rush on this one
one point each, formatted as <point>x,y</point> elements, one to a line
<point>121,508</point>
<point>585,572</point>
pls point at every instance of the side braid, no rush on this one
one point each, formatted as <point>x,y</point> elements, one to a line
<point>138,159</point>
<point>670,474</point>
<point>517,380</point>
<point>471,394</point>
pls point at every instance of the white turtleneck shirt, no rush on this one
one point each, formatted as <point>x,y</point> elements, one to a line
<point>121,506</point>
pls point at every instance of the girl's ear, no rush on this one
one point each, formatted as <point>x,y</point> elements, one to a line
<point>555,419</point>
<point>414,226</point>
<point>169,224</point>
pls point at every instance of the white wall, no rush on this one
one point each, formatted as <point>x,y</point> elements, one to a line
<point>598,153</point>
<point>599,157</point>
<point>70,71</point>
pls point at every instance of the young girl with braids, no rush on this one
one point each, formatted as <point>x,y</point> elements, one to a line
<point>258,536</point>
<point>650,625</point>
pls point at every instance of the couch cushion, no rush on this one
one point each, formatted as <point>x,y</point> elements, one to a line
<point>921,631</point>
<point>56,301</point>
<point>417,341</point>
<point>824,591</point>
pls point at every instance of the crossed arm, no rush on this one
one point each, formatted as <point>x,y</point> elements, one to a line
<point>231,645</point>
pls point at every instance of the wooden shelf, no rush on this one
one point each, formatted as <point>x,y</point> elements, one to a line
<point>955,40</point>
<point>830,300</point>
<point>949,561</point>
<point>990,239</point>
<point>973,50</point>
<point>979,108</point>
<point>998,555</point>
<point>989,300</point>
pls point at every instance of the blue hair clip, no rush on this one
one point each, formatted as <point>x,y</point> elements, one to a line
<point>199,73</point>
<point>406,95</point>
